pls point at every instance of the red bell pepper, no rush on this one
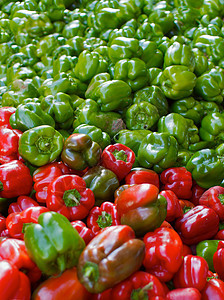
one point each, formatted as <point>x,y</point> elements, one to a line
<point>142,175</point>
<point>13,283</point>
<point>140,285</point>
<point>16,221</point>
<point>15,179</point>
<point>5,114</point>
<point>197,191</point>
<point>220,234</point>
<point>121,189</point>
<point>2,223</point>
<point>186,250</point>
<point>106,295</point>
<point>166,224</point>
<point>198,224</point>
<point>68,195</point>
<point>14,250</point>
<point>214,289</point>
<point>163,253</point>
<point>85,232</point>
<point>186,205</point>
<point>174,210</point>
<point>9,144</point>
<point>184,294</point>
<point>142,208</point>
<point>192,273</point>
<point>44,175</point>
<point>218,260</point>
<point>214,198</point>
<point>178,180</point>
<point>103,216</point>
<point>119,159</point>
<point>22,203</point>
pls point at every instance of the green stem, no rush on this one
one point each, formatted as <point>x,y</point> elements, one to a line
<point>221,198</point>
<point>104,220</point>
<point>44,144</point>
<point>72,198</point>
<point>1,186</point>
<point>120,155</point>
<point>142,293</point>
<point>61,263</point>
<point>91,271</point>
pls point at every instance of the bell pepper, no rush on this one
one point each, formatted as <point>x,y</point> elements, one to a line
<point>138,285</point>
<point>15,284</point>
<point>95,82</point>
<point>99,267</point>
<point>30,115</point>
<point>192,273</point>
<point>14,251</point>
<point>206,249</point>
<point>96,134</point>
<point>15,221</point>
<point>141,116</point>
<point>186,205</point>
<point>142,175</point>
<point>179,54</point>
<point>68,195</point>
<point>44,175</point>
<point>53,244</point>
<point>149,31</point>
<point>174,209</point>
<point>119,159</point>
<point>184,294</point>
<point>178,180</point>
<point>2,223</point>
<point>213,198</point>
<point>102,182</point>
<point>151,55</point>
<point>177,82</point>
<point>163,254</point>
<point>206,168</point>
<point>85,232</point>
<point>141,207</point>
<point>214,288</point>
<point>5,114</point>
<point>21,204</point>
<point>15,179</point>
<point>198,224</point>
<point>197,191</point>
<point>9,144</point>
<point>66,285</point>
<point>158,150</point>
<point>40,145</point>
<point>101,217</point>
<point>154,95</point>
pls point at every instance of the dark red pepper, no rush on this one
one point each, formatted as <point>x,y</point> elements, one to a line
<point>119,159</point>
<point>5,114</point>
<point>2,223</point>
<point>22,203</point>
<point>142,175</point>
<point>218,260</point>
<point>214,289</point>
<point>186,205</point>
<point>85,232</point>
<point>197,191</point>
<point>174,209</point>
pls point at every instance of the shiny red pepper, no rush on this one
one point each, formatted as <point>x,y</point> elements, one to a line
<point>2,223</point>
<point>22,203</point>
<point>197,191</point>
<point>15,179</point>
<point>119,159</point>
<point>186,205</point>
<point>198,224</point>
<point>68,195</point>
<point>85,232</point>
<point>14,250</point>
<point>44,175</point>
<point>5,114</point>
<point>103,216</point>
<point>214,198</point>
<point>140,285</point>
<point>174,209</point>
<point>178,180</point>
<point>213,290</point>
<point>184,294</point>
<point>192,273</point>
<point>13,283</point>
<point>218,260</point>
<point>163,254</point>
<point>142,175</point>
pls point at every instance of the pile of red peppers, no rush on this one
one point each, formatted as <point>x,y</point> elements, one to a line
<point>159,236</point>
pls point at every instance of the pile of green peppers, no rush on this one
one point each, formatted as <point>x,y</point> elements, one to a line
<point>148,74</point>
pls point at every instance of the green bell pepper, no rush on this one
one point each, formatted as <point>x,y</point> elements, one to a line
<point>40,145</point>
<point>207,249</point>
<point>210,107</point>
<point>154,75</point>
<point>149,31</point>
<point>151,55</point>
<point>73,28</point>
<point>95,82</point>
<point>201,62</point>
<point>125,31</point>
<point>164,18</point>
<point>53,244</point>
<point>212,128</point>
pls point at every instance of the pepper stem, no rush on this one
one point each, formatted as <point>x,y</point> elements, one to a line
<point>142,293</point>
<point>1,186</point>
<point>104,220</point>
<point>221,198</point>
<point>120,155</point>
<point>61,263</point>
<point>43,144</point>
<point>72,198</point>
<point>91,272</point>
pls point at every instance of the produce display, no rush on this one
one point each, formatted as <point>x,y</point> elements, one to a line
<point>111,150</point>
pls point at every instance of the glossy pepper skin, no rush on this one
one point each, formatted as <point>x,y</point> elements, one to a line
<point>213,198</point>
<point>21,204</point>
<point>158,151</point>
<point>163,254</point>
<point>178,180</point>
<point>40,145</point>
<point>53,243</point>
<point>218,260</point>
<point>212,126</point>
<point>68,195</point>
<point>9,144</point>
<point>174,209</point>
<point>214,288</point>
<point>80,152</point>
<point>119,159</point>
<point>206,168</point>
<point>192,273</point>
<point>104,216</point>
<point>85,232</point>
<point>142,175</point>
<point>207,249</point>
<point>5,114</point>
<point>198,224</point>
<point>141,207</point>
<point>184,294</point>
<point>15,179</point>
<point>99,266</point>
